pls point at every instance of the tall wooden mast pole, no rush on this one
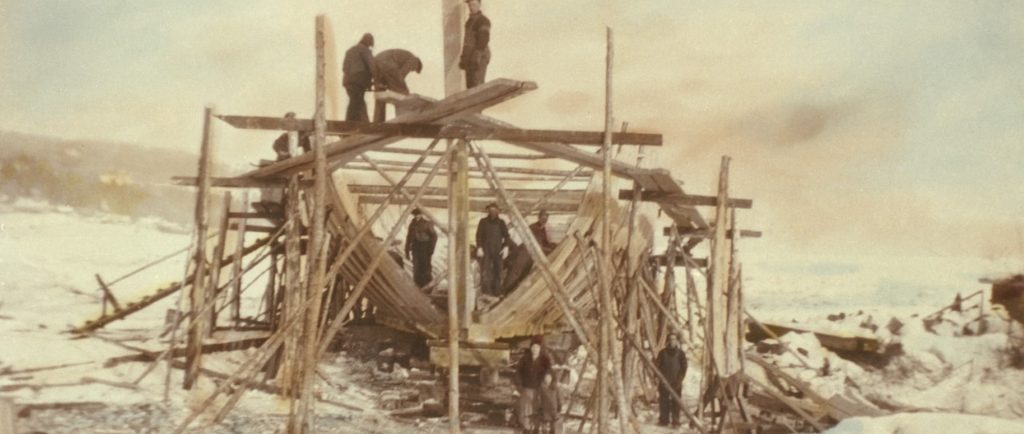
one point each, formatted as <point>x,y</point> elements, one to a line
<point>604,347</point>
<point>460,302</point>
<point>197,297</point>
<point>314,251</point>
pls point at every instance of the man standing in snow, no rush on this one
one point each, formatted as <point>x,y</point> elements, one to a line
<point>672,364</point>
<point>358,71</point>
<point>530,372</point>
<point>491,238</point>
<point>476,50</point>
<point>419,247</point>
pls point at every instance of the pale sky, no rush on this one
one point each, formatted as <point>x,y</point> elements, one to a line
<point>893,128</point>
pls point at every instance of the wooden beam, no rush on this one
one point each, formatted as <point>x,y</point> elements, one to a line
<point>708,233</point>
<point>353,166</point>
<point>684,199</point>
<point>518,193</point>
<point>455,106</point>
<point>681,261</point>
<point>496,156</point>
<point>239,182</point>
<point>474,205</point>
<point>197,295</point>
<point>505,169</point>
<point>433,131</point>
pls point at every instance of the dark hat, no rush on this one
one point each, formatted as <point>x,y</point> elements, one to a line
<point>289,115</point>
<point>539,340</point>
<point>542,212</point>
<point>493,205</point>
<point>366,40</point>
<point>417,211</point>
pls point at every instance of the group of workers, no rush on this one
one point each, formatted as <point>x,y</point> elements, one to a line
<point>362,71</point>
<point>493,245</point>
<point>539,408</point>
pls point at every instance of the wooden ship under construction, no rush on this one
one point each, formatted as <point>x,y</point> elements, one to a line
<point>329,247</point>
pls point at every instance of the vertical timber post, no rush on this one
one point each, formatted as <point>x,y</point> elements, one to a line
<point>218,258</point>
<point>460,301</point>
<point>236,265</point>
<point>604,341</point>
<point>197,296</point>
<point>453,15</point>
<point>315,254</point>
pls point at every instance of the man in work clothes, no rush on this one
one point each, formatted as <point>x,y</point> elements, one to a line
<point>419,247</point>
<point>491,238</point>
<point>530,372</point>
<point>476,53</point>
<point>358,71</point>
<point>540,232</point>
<point>672,364</point>
<point>392,67</point>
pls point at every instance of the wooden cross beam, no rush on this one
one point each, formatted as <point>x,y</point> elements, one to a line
<point>431,131</point>
<point>455,106</point>
<point>518,193</point>
<point>705,233</point>
<point>477,205</point>
<point>685,199</point>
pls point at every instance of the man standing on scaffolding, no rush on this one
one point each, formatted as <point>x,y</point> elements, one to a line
<point>358,71</point>
<point>540,232</point>
<point>491,238</point>
<point>419,247</point>
<point>392,67</point>
<point>476,52</point>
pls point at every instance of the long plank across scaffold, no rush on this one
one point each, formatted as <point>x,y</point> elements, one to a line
<point>458,105</point>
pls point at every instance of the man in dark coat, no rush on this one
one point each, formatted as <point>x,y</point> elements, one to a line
<point>540,232</point>
<point>358,71</point>
<point>549,406</point>
<point>491,238</point>
<point>392,67</point>
<point>476,51</point>
<point>419,247</point>
<point>530,372</point>
<point>281,146</point>
<point>672,364</point>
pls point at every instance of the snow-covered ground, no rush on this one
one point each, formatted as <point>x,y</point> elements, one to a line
<point>49,255</point>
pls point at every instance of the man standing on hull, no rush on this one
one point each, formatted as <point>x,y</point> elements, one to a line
<point>419,247</point>
<point>392,67</point>
<point>358,71</point>
<point>491,237</point>
<point>476,51</point>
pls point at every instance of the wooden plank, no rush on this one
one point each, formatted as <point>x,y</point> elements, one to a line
<point>236,267</point>
<point>239,182</point>
<point>680,261</point>
<point>505,169</point>
<point>518,193</point>
<point>474,205</point>
<point>457,105</point>
<point>709,233</point>
<point>718,280</point>
<point>496,156</point>
<point>218,257</point>
<point>432,131</point>
<point>529,178</point>
<point>197,296</point>
<point>832,341</point>
<point>684,199</point>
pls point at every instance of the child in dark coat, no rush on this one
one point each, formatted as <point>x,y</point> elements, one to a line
<point>549,407</point>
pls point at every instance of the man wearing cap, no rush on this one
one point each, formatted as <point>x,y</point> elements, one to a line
<point>491,238</point>
<point>419,247</point>
<point>476,52</point>
<point>540,232</point>
<point>392,67</point>
<point>358,71</point>
<point>530,372</point>
<point>672,364</point>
